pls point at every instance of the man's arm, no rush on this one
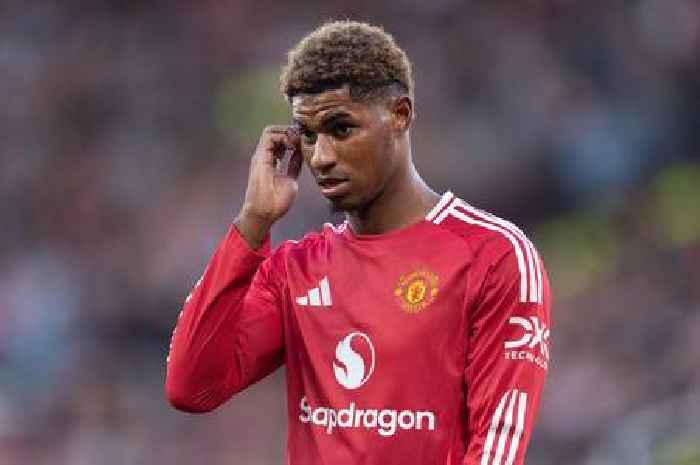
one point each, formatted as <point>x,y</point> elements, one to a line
<point>230,331</point>
<point>507,360</point>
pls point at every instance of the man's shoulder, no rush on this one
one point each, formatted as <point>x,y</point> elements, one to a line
<point>495,242</point>
<point>479,230</point>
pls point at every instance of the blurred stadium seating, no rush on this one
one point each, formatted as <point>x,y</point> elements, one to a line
<point>126,129</point>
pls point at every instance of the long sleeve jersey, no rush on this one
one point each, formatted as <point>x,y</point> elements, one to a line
<point>425,345</point>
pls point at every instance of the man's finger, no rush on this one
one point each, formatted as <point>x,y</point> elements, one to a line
<point>276,128</point>
<point>271,146</point>
<point>293,150</point>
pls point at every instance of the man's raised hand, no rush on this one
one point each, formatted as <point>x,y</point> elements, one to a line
<point>270,193</point>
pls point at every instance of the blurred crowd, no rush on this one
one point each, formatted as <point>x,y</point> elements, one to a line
<point>125,134</point>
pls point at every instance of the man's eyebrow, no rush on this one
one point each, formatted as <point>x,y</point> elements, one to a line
<point>326,121</point>
<point>332,117</point>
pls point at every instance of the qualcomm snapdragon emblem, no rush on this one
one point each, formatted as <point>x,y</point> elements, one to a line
<point>354,364</point>
<point>351,369</point>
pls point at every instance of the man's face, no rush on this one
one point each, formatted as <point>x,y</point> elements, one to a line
<point>347,145</point>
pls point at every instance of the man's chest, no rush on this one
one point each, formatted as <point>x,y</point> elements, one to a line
<point>402,303</point>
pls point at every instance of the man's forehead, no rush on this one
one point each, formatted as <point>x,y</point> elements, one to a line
<point>311,106</point>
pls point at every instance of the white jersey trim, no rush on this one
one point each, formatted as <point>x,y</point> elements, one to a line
<point>534,265</point>
<point>529,264</point>
<point>442,203</point>
<point>517,401</point>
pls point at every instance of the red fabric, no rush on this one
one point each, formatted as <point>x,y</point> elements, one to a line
<point>402,361</point>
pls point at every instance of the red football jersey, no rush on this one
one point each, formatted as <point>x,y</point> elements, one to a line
<point>424,345</point>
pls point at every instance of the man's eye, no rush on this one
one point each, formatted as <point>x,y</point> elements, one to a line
<point>342,131</point>
<point>309,137</point>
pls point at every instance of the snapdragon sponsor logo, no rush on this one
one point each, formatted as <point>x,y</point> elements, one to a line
<point>385,421</point>
<point>352,370</point>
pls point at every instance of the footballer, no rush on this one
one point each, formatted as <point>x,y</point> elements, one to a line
<point>415,332</point>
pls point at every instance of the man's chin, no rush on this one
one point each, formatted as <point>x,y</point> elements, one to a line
<point>336,206</point>
<point>341,205</point>
<point>349,203</point>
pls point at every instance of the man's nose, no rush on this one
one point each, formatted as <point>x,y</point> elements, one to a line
<point>323,158</point>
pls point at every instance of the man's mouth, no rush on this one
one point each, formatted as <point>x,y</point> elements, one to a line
<point>333,187</point>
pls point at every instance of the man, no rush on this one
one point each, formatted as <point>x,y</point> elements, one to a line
<point>416,332</point>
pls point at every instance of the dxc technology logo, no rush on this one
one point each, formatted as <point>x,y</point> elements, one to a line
<point>535,333</point>
<point>352,371</point>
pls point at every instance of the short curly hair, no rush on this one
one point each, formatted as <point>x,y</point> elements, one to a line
<point>364,57</point>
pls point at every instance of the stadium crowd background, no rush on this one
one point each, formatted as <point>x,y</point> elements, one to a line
<point>126,129</point>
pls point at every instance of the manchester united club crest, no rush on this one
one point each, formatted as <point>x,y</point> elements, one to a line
<point>416,290</point>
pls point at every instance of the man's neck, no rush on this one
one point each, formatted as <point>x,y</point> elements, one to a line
<point>396,207</point>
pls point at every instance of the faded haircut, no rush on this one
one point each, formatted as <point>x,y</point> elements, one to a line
<point>347,53</point>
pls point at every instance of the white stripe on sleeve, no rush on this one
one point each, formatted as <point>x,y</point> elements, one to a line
<point>533,261</point>
<point>519,427</point>
<point>495,420</point>
<point>516,245</point>
<point>517,404</point>
<point>505,430</point>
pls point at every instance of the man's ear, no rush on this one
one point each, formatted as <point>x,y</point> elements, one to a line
<point>402,113</point>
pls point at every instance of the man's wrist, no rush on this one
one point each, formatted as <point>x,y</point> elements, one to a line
<point>253,229</point>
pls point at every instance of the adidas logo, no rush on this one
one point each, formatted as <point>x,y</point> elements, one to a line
<point>318,296</point>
